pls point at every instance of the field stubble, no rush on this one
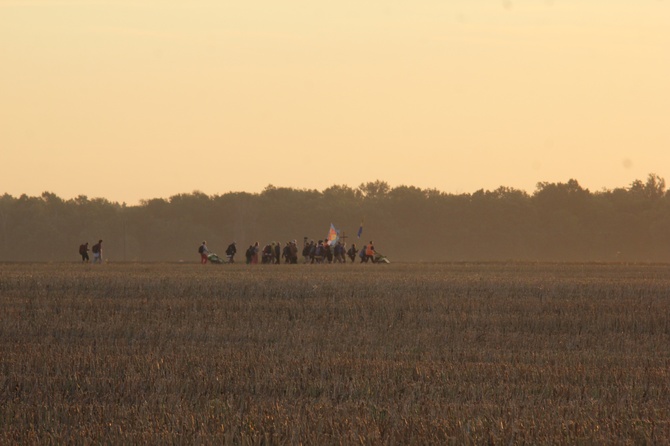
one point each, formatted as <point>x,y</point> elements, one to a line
<point>316,354</point>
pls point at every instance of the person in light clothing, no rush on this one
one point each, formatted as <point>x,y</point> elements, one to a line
<point>204,253</point>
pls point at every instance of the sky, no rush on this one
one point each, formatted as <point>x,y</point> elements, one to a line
<point>132,100</point>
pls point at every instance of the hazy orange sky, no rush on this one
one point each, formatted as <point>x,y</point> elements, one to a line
<point>130,100</point>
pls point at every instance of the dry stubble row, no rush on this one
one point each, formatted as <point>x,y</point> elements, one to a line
<point>394,354</point>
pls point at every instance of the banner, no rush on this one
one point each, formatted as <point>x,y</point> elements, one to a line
<point>333,235</point>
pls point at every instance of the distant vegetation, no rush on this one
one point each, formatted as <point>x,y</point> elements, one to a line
<point>557,222</point>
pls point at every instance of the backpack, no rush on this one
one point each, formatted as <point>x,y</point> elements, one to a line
<point>82,249</point>
<point>201,249</point>
<point>96,248</point>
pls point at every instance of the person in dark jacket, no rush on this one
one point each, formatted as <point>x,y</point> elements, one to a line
<point>231,251</point>
<point>249,254</point>
<point>286,252</point>
<point>97,252</point>
<point>352,252</point>
<point>277,253</point>
<point>83,252</point>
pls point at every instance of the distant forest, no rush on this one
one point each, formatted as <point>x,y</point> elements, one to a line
<point>557,222</point>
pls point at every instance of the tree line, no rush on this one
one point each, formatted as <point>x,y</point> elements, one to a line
<point>557,222</point>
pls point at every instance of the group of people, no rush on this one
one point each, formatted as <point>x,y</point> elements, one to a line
<point>273,253</point>
<point>312,252</point>
<point>95,249</point>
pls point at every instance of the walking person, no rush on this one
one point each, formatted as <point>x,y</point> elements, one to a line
<point>370,252</point>
<point>352,252</point>
<point>254,256</point>
<point>286,252</point>
<point>83,252</point>
<point>307,250</point>
<point>204,253</point>
<point>339,253</point>
<point>327,252</point>
<point>277,253</point>
<point>97,252</point>
<point>231,251</point>
<point>268,253</point>
<point>293,250</point>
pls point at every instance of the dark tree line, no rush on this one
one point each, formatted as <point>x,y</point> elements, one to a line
<point>558,222</point>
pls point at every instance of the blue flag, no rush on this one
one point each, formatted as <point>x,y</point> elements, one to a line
<point>360,230</point>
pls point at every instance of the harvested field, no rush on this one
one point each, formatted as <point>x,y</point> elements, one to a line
<point>335,354</point>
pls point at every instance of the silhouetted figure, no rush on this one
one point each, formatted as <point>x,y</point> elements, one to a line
<point>97,252</point>
<point>339,252</point>
<point>352,252</point>
<point>327,252</point>
<point>293,249</point>
<point>231,251</point>
<point>286,252</point>
<point>83,252</point>
<point>307,250</point>
<point>278,253</point>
